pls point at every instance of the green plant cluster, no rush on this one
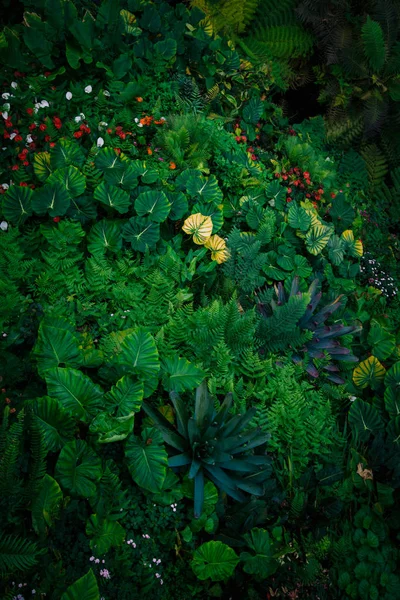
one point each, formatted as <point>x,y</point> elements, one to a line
<point>168,239</point>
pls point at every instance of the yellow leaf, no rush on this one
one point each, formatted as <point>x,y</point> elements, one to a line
<point>199,226</point>
<point>369,370</point>
<point>219,251</point>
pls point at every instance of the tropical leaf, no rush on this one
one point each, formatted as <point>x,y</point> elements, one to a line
<point>252,111</point>
<point>105,235</point>
<point>139,353</point>
<point>112,429</point>
<point>342,212</point>
<point>84,588</point>
<point>382,342</point>
<point>141,233</point>
<point>219,251</point>
<point>298,217</point>
<point>206,188</point>
<point>41,165</point>
<point>353,247</point>
<point>71,178</point>
<point>166,49</point>
<point>214,560</point>
<point>65,154</point>
<point>154,204</point>
<point>112,196</point>
<point>392,378</point>
<point>108,160</point>
<point>105,534</point>
<point>55,347</point>
<point>179,374</point>
<point>374,44</point>
<point>125,396</point>
<point>336,250</point>
<point>78,469</point>
<point>17,204</point>
<point>301,267</point>
<point>199,226</point>
<point>17,553</point>
<point>52,199</point>
<point>56,425</point>
<point>392,402</point>
<point>147,459</point>
<point>80,397</point>
<point>179,205</point>
<point>317,238</point>
<point>369,372</point>
<point>46,505</point>
<point>261,561</point>
<point>364,419</point>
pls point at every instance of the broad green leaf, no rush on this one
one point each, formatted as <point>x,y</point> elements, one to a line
<point>382,342</point>
<point>206,188</point>
<point>141,233</point>
<point>353,247</point>
<point>112,429</point>
<point>369,372</point>
<point>392,401</point>
<point>46,504</point>
<point>179,205</point>
<point>214,560</point>
<point>253,110</point>
<point>153,204</point>
<point>317,238</point>
<point>17,204</point>
<point>108,160</point>
<point>341,212</point>
<point>105,534</point>
<point>392,378</point>
<point>56,425</point>
<point>125,396</point>
<point>71,178</point>
<point>78,394</point>
<point>166,49</point>
<point>105,235</point>
<point>121,65</point>
<point>84,588</point>
<point>65,154</point>
<point>261,560</point>
<point>147,459</point>
<point>179,375</point>
<point>54,347</point>
<point>41,165</point>
<point>364,419</point>
<point>301,267</point>
<point>52,199</point>
<point>374,44</point>
<point>139,353</point>
<point>113,197</point>
<point>78,469</point>
<point>336,250</point>
<point>298,217</point>
<point>125,176</point>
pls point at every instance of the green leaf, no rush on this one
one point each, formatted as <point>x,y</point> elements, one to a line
<point>369,372</point>
<point>41,165</point>
<point>37,43</point>
<point>139,353</point>
<point>147,174</point>
<point>253,110</point>
<point>301,267</point>
<point>392,402</point>
<point>392,378</point>
<point>374,44</point>
<point>78,394</point>
<point>78,469</point>
<point>382,342</point>
<point>317,238</point>
<point>71,178</point>
<point>364,419</point>
<point>179,375</point>
<point>166,49</point>
<point>84,588</point>
<point>17,205</point>
<point>336,250</point>
<point>147,459</point>
<point>342,213</point>
<point>52,199</point>
<point>121,65</point>
<point>141,233</point>
<point>112,429</point>
<point>126,396</point>
<point>56,425</point>
<point>206,188</point>
<point>55,347</point>
<point>261,561</point>
<point>298,217</point>
<point>17,554</point>
<point>46,504</point>
<point>105,534</point>
<point>179,205</point>
<point>154,204</point>
<point>108,161</point>
<point>66,154</point>
<point>112,196</point>
<point>105,235</point>
<point>215,561</point>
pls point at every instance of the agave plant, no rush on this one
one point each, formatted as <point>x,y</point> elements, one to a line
<point>322,342</point>
<point>216,445</point>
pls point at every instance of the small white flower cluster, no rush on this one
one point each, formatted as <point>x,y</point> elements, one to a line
<point>173,506</point>
<point>156,562</point>
<point>20,596</point>
<point>39,105</point>
<point>79,118</point>
<point>96,560</point>
<point>131,543</point>
<point>145,536</point>
<point>377,277</point>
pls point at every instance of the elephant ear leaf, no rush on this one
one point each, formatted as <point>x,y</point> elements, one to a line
<point>317,238</point>
<point>261,560</point>
<point>139,353</point>
<point>153,204</point>
<point>112,429</point>
<point>298,217</point>
<point>86,587</point>
<point>105,235</point>
<point>56,425</point>
<point>52,199</point>
<point>180,375</point>
<point>105,534</point>
<point>369,372</point>
<point>126,396</point>
<point>214,560</point>
<point>56,346</point>
<point>46,505</point>
<point>17,206</point>
<point>147,459</point>
<point>364,419</point>
<point>142,233</point>
<point>71,178</point>
<point>112,196</point>
<point>80,397</point>
<point>78,469</point>
<point>382,341</point>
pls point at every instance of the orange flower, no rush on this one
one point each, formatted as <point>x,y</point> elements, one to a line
<point>172,165</point>
<point>146,120</point>
<point>139,99</point>
<point>149,151</point>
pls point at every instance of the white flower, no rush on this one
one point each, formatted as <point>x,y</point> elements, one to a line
<point>5,186</point>
<point>68,95</point>
<point>136,120</point>
<point>100,142</point>
<point>4,225</point>
<point>88,89</point>
<point>14,85</point>
<point>5,115</point>
<point>140,124</point>
<point>44,104</point>
<point>12,136</point>
<point>29,139</point>
<point>77,119</point>
<point>106,93</point>
<point>5,96</point>
<point>82,116</point>
<point>6,106</point>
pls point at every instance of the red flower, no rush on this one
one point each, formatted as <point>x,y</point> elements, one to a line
<point>109,131</point>
<point>8,123</point>
<point>23,184</point>
<point>57,122</point>
<point>47,138</point>
<point>122,135</point>
<point>32,146</point>
<point>25,163</point>
<point>317,197</point>
<point>289,190</point>
<point>78,134</point>
<point>277,175</point>
<point>308,181</point>
<point>6,135</point>
<point>253,157</point>
<point>52,144</point>
<point>15,168</point>
<point>18,138</point>
<point>29,111</point>
<point>308,195</point>
<point>87,130</point>
<point>320,191</point>
<point>118,129</point>
<point>238,138</point>
<point>47,73</point>
<point>42,127</point>
<point>56,219</point>
<point>306,175</point>
<point>32,126</point>
<point>288,199</point>
<point>333,195</point>
<point>284,177</point>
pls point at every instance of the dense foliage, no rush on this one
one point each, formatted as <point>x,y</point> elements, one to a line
<point>200,347</point>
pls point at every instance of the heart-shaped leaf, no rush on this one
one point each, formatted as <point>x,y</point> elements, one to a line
<point>112,196</point>
<point>214,560</point>
<point>78,469</point>
<point>52,199</point>
<point>147,459</point>
<point>141,233</point>
<point>154,204</point>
